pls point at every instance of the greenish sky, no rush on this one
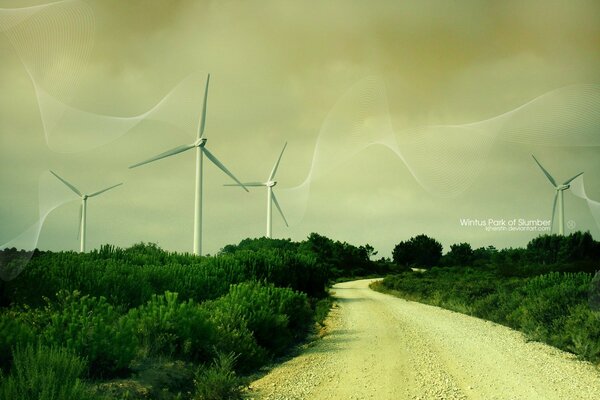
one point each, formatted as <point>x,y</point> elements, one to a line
<point>305,72</point>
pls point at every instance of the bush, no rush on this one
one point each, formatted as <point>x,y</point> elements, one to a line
<point>13,333</point>
<point>166,326</point>
<point>218,381</point>
<point>275,316</point>
<point>45,373</point>
<point>582,329</point>
<point>93,329</point>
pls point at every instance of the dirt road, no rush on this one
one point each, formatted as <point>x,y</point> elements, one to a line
<point>382,347</point>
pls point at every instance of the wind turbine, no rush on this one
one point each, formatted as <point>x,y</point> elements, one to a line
<point>201,150</point>
<point>83,208</point>
<point>271,198</point>
<point>558,195</point>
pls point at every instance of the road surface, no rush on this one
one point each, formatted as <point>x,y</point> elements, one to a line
<point>383,347</point>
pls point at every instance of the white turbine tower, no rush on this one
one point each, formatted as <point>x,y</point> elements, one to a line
<point>201,150</point>
<point>83,208</point>
<point>558,195</point>
<point>271,198</point>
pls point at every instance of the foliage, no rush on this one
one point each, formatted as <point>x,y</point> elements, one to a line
<point>459,254</point>
<point>419,251</point>
<point>275,316</point>
<point>93,329</point>
<point>218,381</point>
<point>45,373</point>
<point>13,333</point>
<point>341,259</point>
<point>166,326</point>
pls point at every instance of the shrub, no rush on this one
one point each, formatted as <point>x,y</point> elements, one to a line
<point>218,381</point>
<point>274,315</point>
<point>13,333</point>
<point>93,329</point>
<point>170,327</point>
<point>45,373</point>
<point>582,329</point>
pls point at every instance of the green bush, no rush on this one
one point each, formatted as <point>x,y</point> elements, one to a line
<point>545,302</point>
<point>92,328</point>
<point>218,381</point>
<point>13,333</point>
<point>45,373</point>
<point>275,316</point>
<point>582,329</point>
<point>169,327</point>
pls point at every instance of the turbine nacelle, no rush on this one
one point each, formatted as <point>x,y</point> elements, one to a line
<point>200,142</point>
<point>563,187</point>
<point>270,183</point>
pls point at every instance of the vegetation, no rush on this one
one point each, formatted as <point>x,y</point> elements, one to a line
<point>547,290</point>
<point>108,311</point>
<point>421,251</point>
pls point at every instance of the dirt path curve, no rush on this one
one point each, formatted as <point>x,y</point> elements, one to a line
<point>382,347</point>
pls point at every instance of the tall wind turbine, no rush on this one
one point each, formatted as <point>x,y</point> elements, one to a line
<point>201,150</point>
<point>271,198</point>
<point>558,195</point>
<point>83,208</point>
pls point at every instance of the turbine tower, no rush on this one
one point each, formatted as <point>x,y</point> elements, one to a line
<point>271,198</point>
<point>558,195</point>
<point>201,151</point>
<point>83,208</point>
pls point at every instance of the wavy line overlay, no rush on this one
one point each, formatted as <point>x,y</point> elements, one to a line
<point>54,42</point>
<point>446,159</point>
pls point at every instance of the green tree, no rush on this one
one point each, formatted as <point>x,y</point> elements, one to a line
<point>419,251</point>
<point>460,254</point>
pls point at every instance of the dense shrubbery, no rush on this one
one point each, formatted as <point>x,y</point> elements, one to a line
<point>45,373</point>
<point>114,307</point>
<point>92,328</point>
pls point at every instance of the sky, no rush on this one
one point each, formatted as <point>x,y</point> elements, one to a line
<point>401,118</point>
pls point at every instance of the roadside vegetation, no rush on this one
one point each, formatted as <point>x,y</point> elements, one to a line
<point>550,290</point>
<point>143,323</point>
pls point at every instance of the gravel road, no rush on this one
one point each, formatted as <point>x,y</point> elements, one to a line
<point>383,347</point>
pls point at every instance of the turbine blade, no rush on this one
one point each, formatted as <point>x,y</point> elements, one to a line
<point>553,212</point>
<point>274,170</point>
<point>279,208</point>
<point>247,184</point>
<point>176,150</point>
<point>550,178</point>
<point>203,117</point>
<point>80,218</point>
<point>104,190</point>
<point>570,180</point>
<point>218,163</point>
<point>73,188</point>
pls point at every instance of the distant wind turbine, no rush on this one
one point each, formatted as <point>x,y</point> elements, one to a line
<point>558,195</point>
<point>201,150</point>
<point>83,208</point>
<point>271,198</point>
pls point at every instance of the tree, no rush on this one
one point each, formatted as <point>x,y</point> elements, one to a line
<point>419,251</point>
<point>460,254</point>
